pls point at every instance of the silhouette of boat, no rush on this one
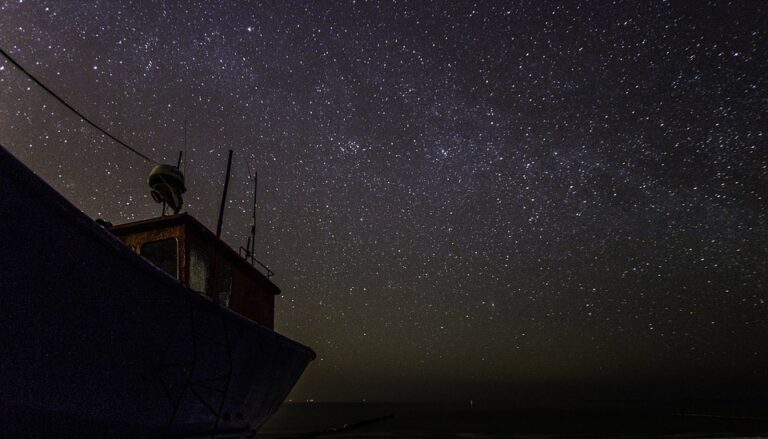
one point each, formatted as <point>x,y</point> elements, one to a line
<point>96,340</point>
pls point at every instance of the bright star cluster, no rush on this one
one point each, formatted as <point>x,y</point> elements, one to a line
<point>453,195</point>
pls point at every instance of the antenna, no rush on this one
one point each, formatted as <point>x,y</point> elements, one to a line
<point>224,196</point>
<point>250,246</point>
<point>253,224</point>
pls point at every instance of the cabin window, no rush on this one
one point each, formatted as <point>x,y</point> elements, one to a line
<point>163,254</point>
<point>225,285</point>
<point>199,270</point>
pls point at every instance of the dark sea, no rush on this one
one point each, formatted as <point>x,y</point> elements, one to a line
<point>605,419</point>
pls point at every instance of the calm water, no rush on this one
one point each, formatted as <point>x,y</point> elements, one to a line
<point>461,421</point>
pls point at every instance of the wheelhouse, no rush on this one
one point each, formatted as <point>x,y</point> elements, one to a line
<point>185,249</point>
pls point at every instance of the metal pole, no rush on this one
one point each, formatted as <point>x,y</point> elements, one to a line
<point>224,196</point>
<point>253,224</point>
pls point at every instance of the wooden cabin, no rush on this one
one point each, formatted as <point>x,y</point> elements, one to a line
<point>188,251</point>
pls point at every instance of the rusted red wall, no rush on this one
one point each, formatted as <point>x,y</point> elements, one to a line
<point>250,300</point>
<point>248,297</point>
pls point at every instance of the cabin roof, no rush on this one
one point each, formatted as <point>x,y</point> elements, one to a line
<point>202,232</point>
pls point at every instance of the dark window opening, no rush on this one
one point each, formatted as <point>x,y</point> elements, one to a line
<point>163,254</point>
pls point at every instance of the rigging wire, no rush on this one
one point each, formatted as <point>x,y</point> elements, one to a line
<point>74,110</point>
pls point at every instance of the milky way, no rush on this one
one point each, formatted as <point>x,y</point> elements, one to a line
<point>454,195</point>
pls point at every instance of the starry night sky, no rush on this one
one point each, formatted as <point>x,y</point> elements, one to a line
<point>459,199</point>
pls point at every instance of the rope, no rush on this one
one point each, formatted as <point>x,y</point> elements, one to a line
<point>74,110</point>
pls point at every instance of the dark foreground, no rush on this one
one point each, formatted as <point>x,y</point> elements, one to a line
<point>461,421</point>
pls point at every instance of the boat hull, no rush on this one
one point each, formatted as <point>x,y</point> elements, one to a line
<point>97,341</point>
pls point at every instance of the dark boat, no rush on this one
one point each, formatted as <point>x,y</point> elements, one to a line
<point>96,340</point>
